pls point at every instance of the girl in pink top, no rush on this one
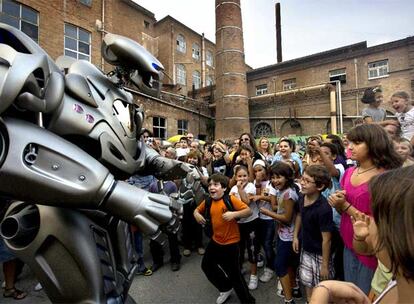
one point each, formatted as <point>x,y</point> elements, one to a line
<point>373,151</point>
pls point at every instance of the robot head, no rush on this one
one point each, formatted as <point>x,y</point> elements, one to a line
<point>133,60</point>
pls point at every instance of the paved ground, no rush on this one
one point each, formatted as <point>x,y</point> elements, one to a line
<point>189,285</point>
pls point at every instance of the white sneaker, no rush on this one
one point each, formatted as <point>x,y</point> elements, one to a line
<point>38,287</point>
<point>223,296</point>
<point>267,275</point>
<point>280,289</point>
<point>253,282</point>
<point>260,260</point>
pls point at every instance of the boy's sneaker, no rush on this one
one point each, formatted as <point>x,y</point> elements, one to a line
<point>253,282</point>
<point>296,293</point>
<point>280,291</point>
<point>267,275</point>
<point>223,296</point>
<point>260,260</point>
<point>186,252</point>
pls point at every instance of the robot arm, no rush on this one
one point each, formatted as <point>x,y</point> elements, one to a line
<point>41,167</point>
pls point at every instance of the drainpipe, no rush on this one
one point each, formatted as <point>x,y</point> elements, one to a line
<point>173,54</point>
<point>103,32</point>
<point>332,99</point>
<point>341,117</point>
<point>203,61</point>
<point>356,86</point>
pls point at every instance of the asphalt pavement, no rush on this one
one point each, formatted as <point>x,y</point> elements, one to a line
<point>188,285</point>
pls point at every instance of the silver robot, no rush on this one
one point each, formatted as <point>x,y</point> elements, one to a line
<point>67,143</point>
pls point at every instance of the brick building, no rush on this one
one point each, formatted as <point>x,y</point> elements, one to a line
<point>288,98</point>
<point>291,97</point>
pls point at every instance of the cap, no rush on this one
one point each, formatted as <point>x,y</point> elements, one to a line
<point>259,162</point>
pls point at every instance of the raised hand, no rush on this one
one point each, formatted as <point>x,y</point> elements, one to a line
<point>360,222</point>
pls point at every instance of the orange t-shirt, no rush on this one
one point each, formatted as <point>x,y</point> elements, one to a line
<point>224,233</point>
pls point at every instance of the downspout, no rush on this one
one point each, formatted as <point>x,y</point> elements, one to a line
<point>203,61</point>
<point>332,98</point>
<point>341,116</point>
<point>103,33</point>
<point>173,54</point>
<point>356,86</point>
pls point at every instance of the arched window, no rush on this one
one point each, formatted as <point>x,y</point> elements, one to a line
<point>181,45</point>
<point>209,81</point>
<point>209,58</point>
<point>181,74</point>
<point>262,129</point>
<point>196,51</point>
<point>197,79</point>
<point>291,127</point>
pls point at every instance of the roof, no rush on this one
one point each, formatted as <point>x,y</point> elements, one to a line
<point>139,8</point>
<point>346,52</point>
<point>169,18</point>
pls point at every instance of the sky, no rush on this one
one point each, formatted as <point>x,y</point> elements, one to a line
<point>308,26</point>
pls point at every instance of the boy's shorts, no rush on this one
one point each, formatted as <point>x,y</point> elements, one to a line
<point>310,268</point>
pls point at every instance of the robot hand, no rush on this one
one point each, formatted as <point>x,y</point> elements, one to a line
<point>191,188</point>
<point>165,168</point>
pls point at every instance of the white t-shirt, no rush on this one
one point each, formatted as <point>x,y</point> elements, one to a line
<point>406,121</point>
<point>249,189</point>
<point>267,186</point>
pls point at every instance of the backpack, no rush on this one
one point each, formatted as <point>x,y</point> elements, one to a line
<point>208,227</point>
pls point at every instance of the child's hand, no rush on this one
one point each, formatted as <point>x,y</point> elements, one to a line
<point>199,218</point>
<point>249,161</point>
<point>360,222</point>
<point>337,200</point>
<point>324,273</point>
<point>264,211</point>
<point>240,184</point>
<point>295,244</point>
<point>255,198</point>
<point>228,216</point>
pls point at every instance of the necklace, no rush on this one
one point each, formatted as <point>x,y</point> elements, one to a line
<point>366,170</point>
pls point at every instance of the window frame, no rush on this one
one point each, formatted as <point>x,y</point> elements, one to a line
<point>77,39</point>
<point>181,76</point>
<point>196,51</point>
<point>209,80</point>
<point>370,68</point>
<point>209,58</point>
<point>261,89</point>
<point>196,76</point>
<point>289,84</point>
<point>182,126</point>
<point>20,18</point>
<point>181,44</point>
<point>159,129</point>
<point>338,75</point>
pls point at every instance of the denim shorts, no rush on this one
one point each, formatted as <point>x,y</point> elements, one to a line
<point>5,254</point>
<point>285,257</point>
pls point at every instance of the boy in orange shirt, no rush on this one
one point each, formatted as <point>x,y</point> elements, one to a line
<point>221,259</point>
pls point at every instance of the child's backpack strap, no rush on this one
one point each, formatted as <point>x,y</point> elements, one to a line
<point>227,202</point>
<point>207,203</point>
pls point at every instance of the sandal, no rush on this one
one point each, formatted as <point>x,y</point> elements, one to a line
<point>14,293</point>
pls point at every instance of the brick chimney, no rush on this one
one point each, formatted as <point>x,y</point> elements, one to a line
<point>232,108</point>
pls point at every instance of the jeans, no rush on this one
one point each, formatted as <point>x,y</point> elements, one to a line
<point>266,237</point>
<point>356,272</point>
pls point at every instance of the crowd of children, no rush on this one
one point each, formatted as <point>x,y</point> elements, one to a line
<point>327,215</point>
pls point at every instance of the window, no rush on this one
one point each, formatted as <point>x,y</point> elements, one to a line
<point>181,74</point>
<point>261,89</point>
<point>209,58</point>
<point>196,51</point>
<point>197,79</point>
<point>146,24</point>
<point>159,127</point>
<point>182,127</point>
<point>209,81</point>
<point>339,74</point>
<point>378,69</point>
<point>181,46</point>
<point>289,84</point>
<point>77,42</point>
<point>21,17</point>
